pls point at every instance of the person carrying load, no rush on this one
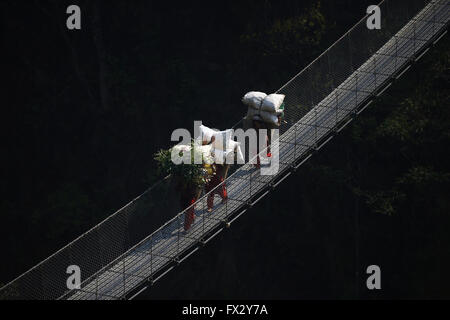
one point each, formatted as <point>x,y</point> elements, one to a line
<point>224,151</point>
<point>217,185</point>
<point>188,175</point>
<point>264,112</point>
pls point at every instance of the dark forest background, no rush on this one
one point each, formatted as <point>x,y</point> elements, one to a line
<point>84,111</point>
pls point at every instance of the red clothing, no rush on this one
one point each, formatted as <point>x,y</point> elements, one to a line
<point>189,215</point>
<point>188,196</point>
<point>213,186</point>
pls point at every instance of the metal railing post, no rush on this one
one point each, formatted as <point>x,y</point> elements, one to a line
<point>315,130</point>
<point>337,108</point>
<point>204,214</point>
<point>356,92</point>
<point>396,53</point>
<point>226,202</point>
<point>123,270</point>
<point>178,234</point>
<point>333,86</point>
<point>375,68</point>
<point>295,143</point>
<point>151,256</point>
<point>434,17</point>
<point>251,173</point>
<point>414,35</point>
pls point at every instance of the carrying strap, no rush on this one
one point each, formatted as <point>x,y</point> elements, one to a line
<point>260,105</point>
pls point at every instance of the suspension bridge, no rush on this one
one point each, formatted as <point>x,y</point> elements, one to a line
<point>119,259</point>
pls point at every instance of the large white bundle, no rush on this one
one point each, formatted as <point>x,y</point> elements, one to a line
<point>269,117</point>
<point>272,102</point>
<point>181,148</point>
<point>225,152</point>
<point>205,152</point>
<point>205,134</point>
<point>222,138</point>
<point>180,153</point>
<point>265,116</point>
<point>253,99</point>
<point>221,156</point>
<point>253,114</point>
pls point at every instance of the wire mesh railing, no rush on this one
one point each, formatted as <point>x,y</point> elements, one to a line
<point>119,255</point>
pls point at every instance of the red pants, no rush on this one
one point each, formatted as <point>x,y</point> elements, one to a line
<point>221,190</point>
<point>189,215</point>
<point>188,194</point>
<point>268,139</point>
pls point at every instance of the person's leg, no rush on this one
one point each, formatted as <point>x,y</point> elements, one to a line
<point>189,216</point>
<point>257,126</point>
<point>217,185</point>
<point>224,185</point>
<point>210,201</point>
<point>222,170</point>
<point>210,198</point>
<point>223,191</point>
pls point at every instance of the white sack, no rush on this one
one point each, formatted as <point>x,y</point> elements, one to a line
<point>181,148</point>
<point>272,102</point>
<point>269,117</point>
<point>253,114</point>
<point>253,99</point>
<point>262,116</point>
<point>205,134</point>
<point>222,138</point>
<point>205,152</point>
<point>220,156</point>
